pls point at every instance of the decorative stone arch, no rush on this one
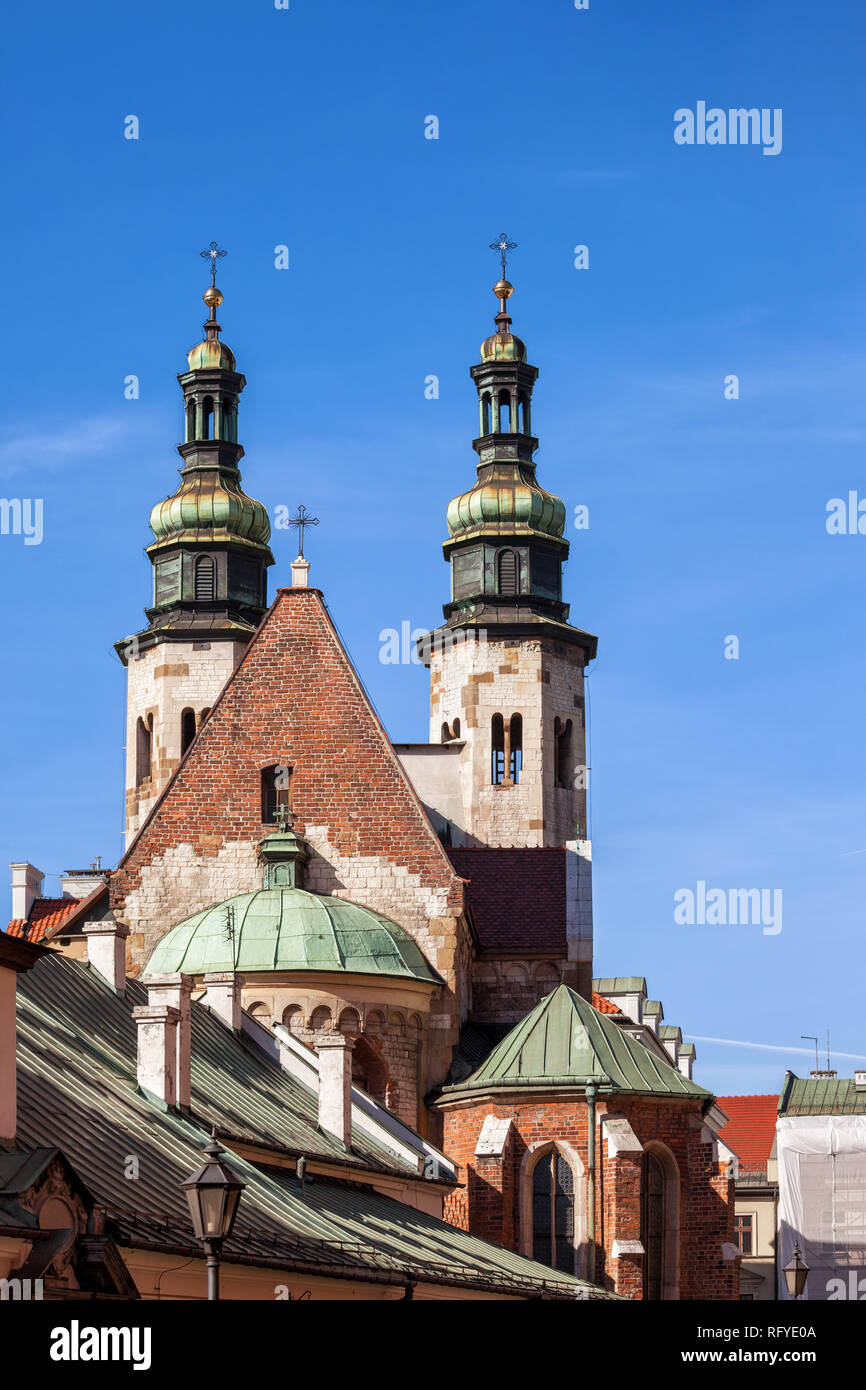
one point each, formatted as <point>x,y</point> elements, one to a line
<point>655,1152</point>
<point>260,1011</point>
<point>528,1164</point>
<point>293,1018</point>
<point>515,972</point>
<point>349,1022</point>
<point>546,976</point>
<point>374,1024</point>
<point>320,1018</point>
<point>396,1022</point>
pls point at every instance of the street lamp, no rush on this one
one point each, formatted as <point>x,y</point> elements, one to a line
<point>213,1193</point>
<point>796,1273</point>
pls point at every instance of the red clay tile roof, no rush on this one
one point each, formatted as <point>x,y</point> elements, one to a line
<point>45,915</point>
<point>516,896</point>
<point>751,1128</point>
<point>603,1005</point>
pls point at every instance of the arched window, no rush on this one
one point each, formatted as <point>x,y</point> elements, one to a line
<point>207,418</point>
<point>187,729</point>
<point>226,421</point>
<point>190,420</point>
<point>523,414</point>
<point>143,743</point>
<point>553,1212</point>
<point>660,1222</point>
<point>485,414</point>
<point>562,753</point>
<point>507,571</point>
<point>204,579</point>
<point>515,760</point>
<point>276,791</point>
<point>497,750</point>
<point>504,412</point>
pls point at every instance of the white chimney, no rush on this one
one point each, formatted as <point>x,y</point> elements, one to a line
<point>106,950</point>
<point>15,955</point>
<point>27,884</point>
<point>157,1050</point>
<point>223,995</point>
<point>175,991</point>
<point>335,1085</point>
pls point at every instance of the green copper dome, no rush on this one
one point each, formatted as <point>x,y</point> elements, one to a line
<point>511,499</point>
<point>289,929</point>
<point>213,354</point>
<point>210,505</point>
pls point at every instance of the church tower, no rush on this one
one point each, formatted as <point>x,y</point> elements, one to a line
<point>507,669</point>
<point>210,557</point>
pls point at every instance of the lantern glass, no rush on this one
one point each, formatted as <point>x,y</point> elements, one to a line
<point>213,1194</point>
<point>796,1273</point>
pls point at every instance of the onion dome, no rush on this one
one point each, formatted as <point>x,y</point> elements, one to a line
<point>213,506</point>
<point>503,346</point>
<point>510,501</point>
<point>289,930</point>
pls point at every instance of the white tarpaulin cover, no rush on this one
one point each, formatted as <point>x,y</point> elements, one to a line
<point>822,1202</point>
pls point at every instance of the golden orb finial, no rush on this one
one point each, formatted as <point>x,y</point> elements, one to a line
<point>213,297</point>
<point>503,289</point>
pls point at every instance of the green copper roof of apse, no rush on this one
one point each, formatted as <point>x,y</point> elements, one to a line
<point>289,929</point>
<point>564,1041</point>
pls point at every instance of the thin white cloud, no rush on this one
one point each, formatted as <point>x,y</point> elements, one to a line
<point>43,448</point>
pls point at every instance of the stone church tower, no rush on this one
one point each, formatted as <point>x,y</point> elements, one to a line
<point>507,669</point>
<point>210,557</point>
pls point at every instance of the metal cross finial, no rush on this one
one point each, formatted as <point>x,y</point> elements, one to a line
<point>503,246</point>
<point>300,521</point>
<point>281,816</point>
<point>212,253</point>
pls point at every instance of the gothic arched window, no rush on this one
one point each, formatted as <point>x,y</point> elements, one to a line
<point>553,1212</point>
<point>507,571</point>
<point>204,578</point>
<point>187,729</point>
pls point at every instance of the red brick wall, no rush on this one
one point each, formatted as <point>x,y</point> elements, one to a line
<point>488,1204</point>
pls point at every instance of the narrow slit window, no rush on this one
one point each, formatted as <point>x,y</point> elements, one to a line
<point>515,762</point>
<point>497,750</point>
<point>143,742</point>
<point>187,729</point>
<point>508,572</point>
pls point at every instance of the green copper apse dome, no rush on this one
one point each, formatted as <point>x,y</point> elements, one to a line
<point>289,929</point>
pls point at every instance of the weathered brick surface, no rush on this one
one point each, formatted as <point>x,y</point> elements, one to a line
<point>296,700</point>
<point>489,1203</point>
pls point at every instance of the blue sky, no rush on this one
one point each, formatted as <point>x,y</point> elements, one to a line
<point>305,127</point>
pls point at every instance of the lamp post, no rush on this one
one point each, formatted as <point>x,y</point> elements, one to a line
<point>796,1273</point>
<point>213,1193</point>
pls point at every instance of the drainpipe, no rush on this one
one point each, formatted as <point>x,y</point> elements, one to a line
<point>591,1091</point>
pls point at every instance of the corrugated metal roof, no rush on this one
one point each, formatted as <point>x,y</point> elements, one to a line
<point>821,1096</point>
<point>564,1041</point>
<point>77,1090</point>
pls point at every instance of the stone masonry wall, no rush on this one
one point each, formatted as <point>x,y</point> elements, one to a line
<point>541,680</point>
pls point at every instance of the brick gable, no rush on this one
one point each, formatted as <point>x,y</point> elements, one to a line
<point>296,699</point>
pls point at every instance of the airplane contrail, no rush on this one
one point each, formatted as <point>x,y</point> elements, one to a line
<point>773,1047</point>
